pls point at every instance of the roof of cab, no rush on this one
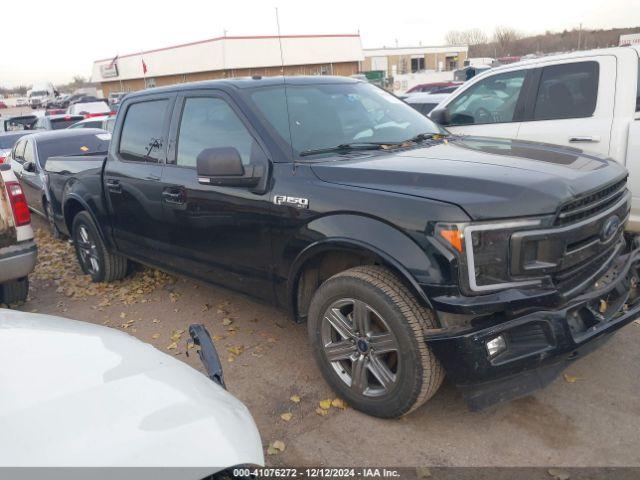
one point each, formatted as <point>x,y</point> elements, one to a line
<point>247,82</point>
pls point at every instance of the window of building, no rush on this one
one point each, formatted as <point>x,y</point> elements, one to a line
<point>417,64</point>
<point>142,132</point>
<point>569,90</point>
<point>211,123</point>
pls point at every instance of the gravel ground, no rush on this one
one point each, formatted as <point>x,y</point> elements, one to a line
<point>590,418</point>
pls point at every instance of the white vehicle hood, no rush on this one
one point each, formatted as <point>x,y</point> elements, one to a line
<point>78,394</point>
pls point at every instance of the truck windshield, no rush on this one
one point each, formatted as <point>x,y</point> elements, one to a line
<point>322,116</point>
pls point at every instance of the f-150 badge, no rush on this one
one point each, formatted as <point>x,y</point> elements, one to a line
<point>291,201</point>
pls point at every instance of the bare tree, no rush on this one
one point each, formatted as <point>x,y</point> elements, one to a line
<point>474,36</point>
<point>505,39</point>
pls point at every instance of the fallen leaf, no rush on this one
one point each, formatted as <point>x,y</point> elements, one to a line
<point>172,346</point>
<point>237,350</point>
<point>123,315</point>
<point>603,306</point>
<point>227,321</point>
<point>286,416</point>
<point>276,447</point>
<point>295,398</point>
<point>155,335</point>
<point>559,474</point>
<point>155,320</point>
<point>338,403</point>
<point>570,378</point>
<point>423,472</point>
<point>322,412</point>
<point>325,404</point>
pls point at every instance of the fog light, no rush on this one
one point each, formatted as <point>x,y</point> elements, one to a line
<point>496,346</point>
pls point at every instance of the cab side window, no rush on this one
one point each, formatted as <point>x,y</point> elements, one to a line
<point>567,91</point>
<point>210,123</point>
<point>492,100</point>
<point>142,132</point>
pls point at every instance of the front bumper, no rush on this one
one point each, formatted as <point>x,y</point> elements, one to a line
<point>17,261</point>
<point>541,344</point>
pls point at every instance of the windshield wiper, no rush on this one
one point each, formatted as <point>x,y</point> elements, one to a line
<point>348,147</point>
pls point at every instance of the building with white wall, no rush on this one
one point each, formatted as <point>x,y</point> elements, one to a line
<point>404,60</point>
<point>225,57</point>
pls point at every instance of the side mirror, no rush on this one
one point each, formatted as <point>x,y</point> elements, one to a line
<point>29,166</point>
<point>223,166</point>
<point>440,116</point>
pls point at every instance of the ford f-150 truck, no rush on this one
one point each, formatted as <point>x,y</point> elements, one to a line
<point>409,252</point>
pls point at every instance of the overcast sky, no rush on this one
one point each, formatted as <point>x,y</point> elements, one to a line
<point>43,40</point>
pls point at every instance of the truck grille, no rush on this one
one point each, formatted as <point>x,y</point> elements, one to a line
<point>591,204</point>
<point>574,252</point>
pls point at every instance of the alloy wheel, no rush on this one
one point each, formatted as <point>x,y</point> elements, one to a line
<point>88,251</point>
<point>360,347</point>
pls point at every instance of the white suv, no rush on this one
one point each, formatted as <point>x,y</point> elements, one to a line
<point>17,249</point>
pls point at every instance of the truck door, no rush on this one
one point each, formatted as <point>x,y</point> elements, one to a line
<point>132,177</point>
<point>216,233</point>
<point>572,104</point>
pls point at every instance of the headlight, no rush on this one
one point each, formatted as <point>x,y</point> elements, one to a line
<point>484,249</point>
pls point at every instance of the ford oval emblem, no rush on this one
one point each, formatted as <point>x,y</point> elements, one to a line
<point>609,228</point>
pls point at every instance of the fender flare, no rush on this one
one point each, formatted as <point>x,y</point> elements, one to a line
<point>359,234</point>
<point>85,206</point>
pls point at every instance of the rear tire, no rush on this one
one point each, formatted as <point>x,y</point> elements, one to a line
<point>376,358</point>
<point>15,291</point>
<point>55,233</point>
<point>94,257</point>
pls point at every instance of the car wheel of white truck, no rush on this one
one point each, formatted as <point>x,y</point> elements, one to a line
<point>366,329</point>
<point>94,257</point>
<point>15,291</point>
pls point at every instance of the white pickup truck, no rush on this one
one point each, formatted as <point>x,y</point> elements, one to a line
<point>588,100</point>
<point>17,248</point>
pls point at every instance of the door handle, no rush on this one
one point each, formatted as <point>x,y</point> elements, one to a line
<point>173,196</point>
<point>584,139</point>
<point>114,186</point>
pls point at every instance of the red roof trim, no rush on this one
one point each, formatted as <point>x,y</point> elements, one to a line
<point>216,39</point>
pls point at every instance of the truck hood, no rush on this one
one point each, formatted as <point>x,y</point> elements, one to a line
<point>75,394</point>
<point>487,177</point>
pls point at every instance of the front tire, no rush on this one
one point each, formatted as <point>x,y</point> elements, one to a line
<point>367,333</point>
<point>15,291</point>
<point>94,257</point>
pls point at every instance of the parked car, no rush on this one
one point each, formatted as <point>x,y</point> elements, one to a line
<point>3,105</point>
<point>22,122</point>
<point>115,98</point>
<point>31,153</point>
<point>586,99</point>
<point>425,102</point>
<point>8,140</point>
<point>408,252</point>
<point>57,121</point>
<point>21,102</point>
<point>17,249</point>
<point>434,87</point>
<point>77,394</point>
<point>467,73</point>
<point>105,122</point>
<point>89,109</point>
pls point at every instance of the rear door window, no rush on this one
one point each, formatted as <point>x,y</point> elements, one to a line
<point>567,91</point>
<point>142,132</point>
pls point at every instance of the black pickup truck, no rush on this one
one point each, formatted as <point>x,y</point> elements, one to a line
<point>409,252</point>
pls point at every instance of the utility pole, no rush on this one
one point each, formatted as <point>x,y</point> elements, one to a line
<point>579,36</point>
